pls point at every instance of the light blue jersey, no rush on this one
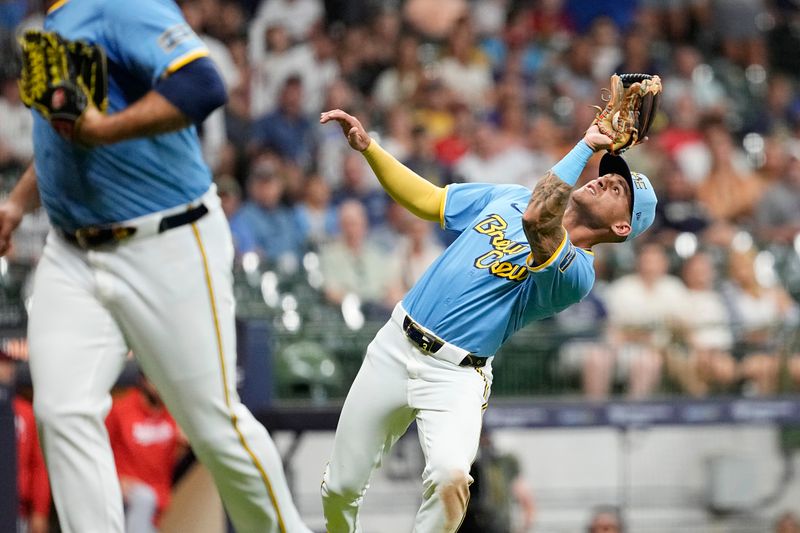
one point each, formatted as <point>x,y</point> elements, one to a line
<point>481,289</point>
<point>144,41</point>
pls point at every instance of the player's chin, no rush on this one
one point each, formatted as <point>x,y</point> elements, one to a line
<point>587,205</point>
<point>583,196</point>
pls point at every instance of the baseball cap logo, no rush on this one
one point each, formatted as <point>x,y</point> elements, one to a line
<point>638,181</point>
<point>638,215</point>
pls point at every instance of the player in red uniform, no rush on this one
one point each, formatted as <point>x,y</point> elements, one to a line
<point>32,485</point>
<point>146,443</point>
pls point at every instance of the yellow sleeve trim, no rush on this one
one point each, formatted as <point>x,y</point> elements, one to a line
<point>409,189</point>
<point>550,260</point>
<point>55,6</point>
<point>442,205</point>
<point>185,59</point>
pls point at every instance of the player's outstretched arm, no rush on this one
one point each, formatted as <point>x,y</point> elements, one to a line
<point>24,198</point>
<point>543,217</point>
<point>412,191</point>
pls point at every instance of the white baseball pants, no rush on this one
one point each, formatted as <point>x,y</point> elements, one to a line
<point>169,298</point>
<point>398,383</point>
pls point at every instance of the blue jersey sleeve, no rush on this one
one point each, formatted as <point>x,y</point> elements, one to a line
<point>150,37</point>
<point>565,278</point>
<point>463,202</point>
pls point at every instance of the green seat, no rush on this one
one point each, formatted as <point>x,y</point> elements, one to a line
<point>305,369</point>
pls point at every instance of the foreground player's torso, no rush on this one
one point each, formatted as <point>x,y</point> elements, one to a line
<point>81,186</point>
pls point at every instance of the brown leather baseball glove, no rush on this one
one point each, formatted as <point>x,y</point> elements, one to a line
<point>632,102</point>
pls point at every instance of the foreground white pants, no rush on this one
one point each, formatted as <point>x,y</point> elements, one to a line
<point>169,298</point>
<point>397,383</point>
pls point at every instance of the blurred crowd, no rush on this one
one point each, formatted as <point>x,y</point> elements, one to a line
<point>497,91</point>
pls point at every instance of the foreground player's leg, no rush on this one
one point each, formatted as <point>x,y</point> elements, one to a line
<point>451,401</point>
<point>76,355</point>
<point>374,416</point>
<point>176,306</point>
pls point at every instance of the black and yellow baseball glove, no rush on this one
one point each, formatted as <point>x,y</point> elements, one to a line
<point>60,78</point>
<point>632,102</point>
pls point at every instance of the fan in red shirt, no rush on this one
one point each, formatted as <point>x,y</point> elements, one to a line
<point>32,485</point>
<point>146,444</point>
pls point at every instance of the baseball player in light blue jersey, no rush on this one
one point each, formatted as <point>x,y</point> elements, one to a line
<point>139,259</point>
<point>520,256</point>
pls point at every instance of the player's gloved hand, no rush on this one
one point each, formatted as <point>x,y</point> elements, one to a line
<point>596,140</point>
<point>631,104</point>
<point>351,127</point>
<point>10,217</point>
<point>62,80</point>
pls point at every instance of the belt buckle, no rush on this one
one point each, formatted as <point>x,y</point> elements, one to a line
<point>82,236</point>
<point>85,236</point>
<point>422,341</point>
<point>121,233</point>
<point>425,343</point>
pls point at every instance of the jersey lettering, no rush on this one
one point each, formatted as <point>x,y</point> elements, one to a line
<point>495,227</point>
<point>148,433</point>
<point>638,181</point>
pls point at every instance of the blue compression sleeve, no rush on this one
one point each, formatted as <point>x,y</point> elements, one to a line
<point>569,169</point>
<point>196,89</point>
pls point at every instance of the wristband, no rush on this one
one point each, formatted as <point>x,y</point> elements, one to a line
<point>570,167</point>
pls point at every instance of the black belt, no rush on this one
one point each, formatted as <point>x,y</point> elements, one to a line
<point>431,344</point>
<point>96,236</point>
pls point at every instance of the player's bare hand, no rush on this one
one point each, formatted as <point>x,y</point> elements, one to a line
<point>10,217</point>
<point>351,127</point>
<point>38,523</point>
<point>596,140</point>
<point>126,484</point>
<point>88,130</point>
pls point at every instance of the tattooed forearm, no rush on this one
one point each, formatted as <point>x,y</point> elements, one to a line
<point>542,218</point>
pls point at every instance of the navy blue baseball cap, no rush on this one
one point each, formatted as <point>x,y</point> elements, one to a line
<point>643,206</point>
